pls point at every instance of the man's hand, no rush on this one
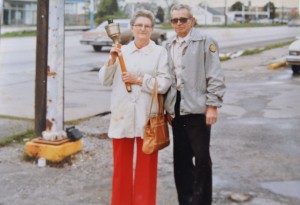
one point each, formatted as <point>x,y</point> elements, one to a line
<point>211,115</point>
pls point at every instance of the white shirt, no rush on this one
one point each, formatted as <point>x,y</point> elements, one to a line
<point>129,111</point>
<point>177,49</point>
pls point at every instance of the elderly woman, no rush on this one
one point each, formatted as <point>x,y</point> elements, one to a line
<point>144,61</point>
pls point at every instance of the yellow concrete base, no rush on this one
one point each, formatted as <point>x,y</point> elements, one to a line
<point>274,66</point>
<point>51,151</point>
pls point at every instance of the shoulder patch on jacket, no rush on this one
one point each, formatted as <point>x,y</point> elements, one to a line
<point>212,48</point>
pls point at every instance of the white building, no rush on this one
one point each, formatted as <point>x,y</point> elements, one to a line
<point>208,16</point>
<point>24,12</point>
<point>19,12</point>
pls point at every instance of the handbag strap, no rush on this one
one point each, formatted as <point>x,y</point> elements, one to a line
<point>155,95</point>
<point>158,98</point>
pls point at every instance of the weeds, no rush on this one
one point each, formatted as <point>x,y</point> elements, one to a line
<point>18,34</point>
<point>256,51</point>
<point>24,136</point>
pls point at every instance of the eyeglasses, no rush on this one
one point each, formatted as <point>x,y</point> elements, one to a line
<point>141,26</point>
<point>182,20</point>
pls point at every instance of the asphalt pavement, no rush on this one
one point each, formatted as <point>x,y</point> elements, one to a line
<point>241,165</point>
<point>14,119</point>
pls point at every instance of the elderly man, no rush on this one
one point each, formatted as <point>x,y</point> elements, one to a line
<point>192,103</point>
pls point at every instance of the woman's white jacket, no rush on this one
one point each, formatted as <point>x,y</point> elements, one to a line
<point>129,111</point>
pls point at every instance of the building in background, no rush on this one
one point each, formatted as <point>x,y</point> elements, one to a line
<point>21,12</point>
<point>205,15</point>
<point>24,12</point>
<point>76,12</point>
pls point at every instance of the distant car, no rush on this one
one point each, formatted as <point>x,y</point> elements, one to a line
<point>98,37</point>
<point>293,58</point>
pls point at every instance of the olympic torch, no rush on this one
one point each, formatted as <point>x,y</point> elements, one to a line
<point>113,31</point>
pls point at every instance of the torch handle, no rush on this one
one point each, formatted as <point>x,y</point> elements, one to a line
<point>123,68</point>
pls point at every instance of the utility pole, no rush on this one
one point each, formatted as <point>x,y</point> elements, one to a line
<point>55,74</point>
<point>205,12</point>
<point>53,145</point>
<point>41,66</point>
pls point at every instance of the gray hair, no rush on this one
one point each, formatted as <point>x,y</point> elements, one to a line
<point>177,7</point>
<point>143,13</point>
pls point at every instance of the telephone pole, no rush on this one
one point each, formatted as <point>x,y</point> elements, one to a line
<point>41,66</point>
<point>53,145</point>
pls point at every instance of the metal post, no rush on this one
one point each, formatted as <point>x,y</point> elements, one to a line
<point>92,14</point>
<point>205,12</point>
<point>41,66</point>
<point>225,12</point>
<point>55,75</point>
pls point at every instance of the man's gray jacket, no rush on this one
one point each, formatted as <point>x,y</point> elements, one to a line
<point>203,82</point>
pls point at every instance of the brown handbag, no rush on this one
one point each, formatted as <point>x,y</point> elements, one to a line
<point>156,132</point>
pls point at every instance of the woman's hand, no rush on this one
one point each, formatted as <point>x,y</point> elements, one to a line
<point>114,51</point>
<point>132,78</point>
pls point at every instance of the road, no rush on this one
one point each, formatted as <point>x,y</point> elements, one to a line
<point>254,146</point>
<point>82,91</point>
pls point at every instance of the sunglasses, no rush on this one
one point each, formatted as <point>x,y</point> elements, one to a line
<point>182,20</point>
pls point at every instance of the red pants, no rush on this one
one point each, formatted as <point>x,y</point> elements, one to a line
<point>129,190</point>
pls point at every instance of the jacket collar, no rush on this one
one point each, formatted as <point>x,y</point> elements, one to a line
<point>146,50</point>
<point>194,36</point>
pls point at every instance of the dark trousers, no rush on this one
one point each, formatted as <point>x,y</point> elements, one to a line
<point>192,161</point>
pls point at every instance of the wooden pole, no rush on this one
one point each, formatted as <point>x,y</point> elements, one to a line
<point>41,65</point>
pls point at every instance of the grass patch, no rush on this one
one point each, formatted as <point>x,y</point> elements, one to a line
<point>278,45</point>
<point>15,118</point>
<point>18,34</point>
<point>252,52</point>
<point>24,136</point>
<point>225,58</point>
<point>256,51</point>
